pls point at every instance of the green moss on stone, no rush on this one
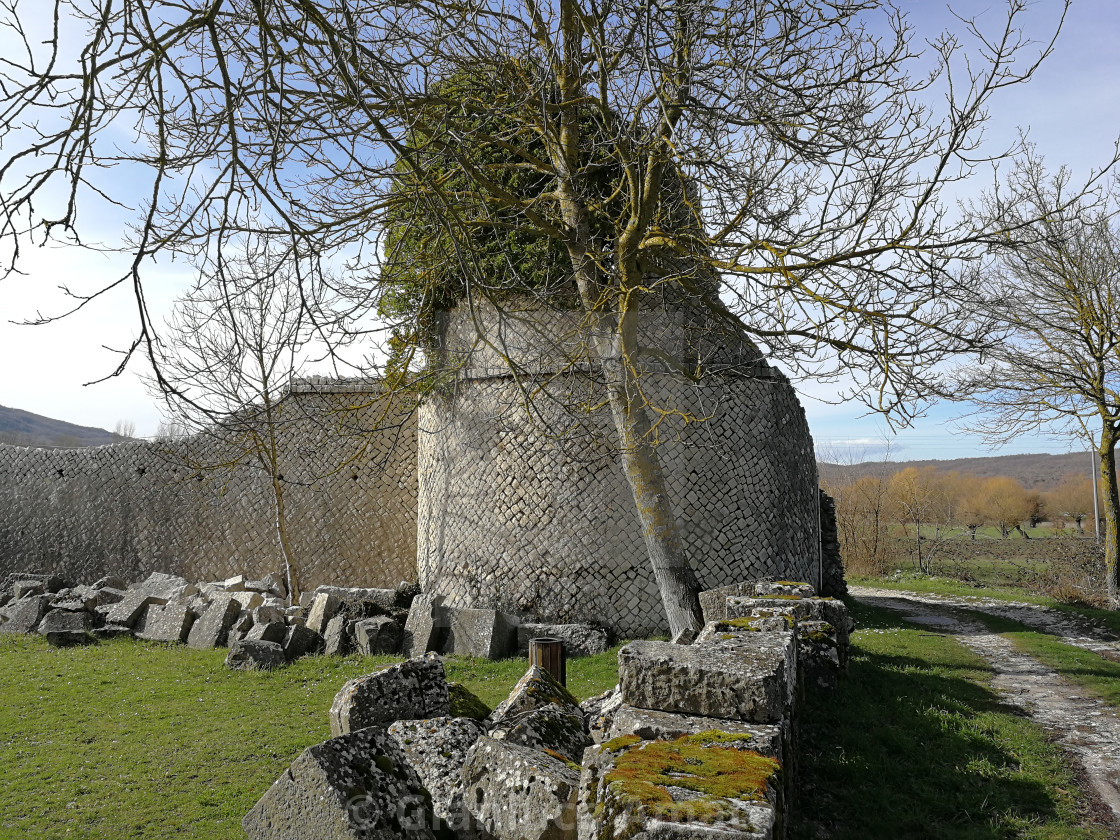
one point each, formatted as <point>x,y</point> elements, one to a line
<point>466,704</point>
<point>621,743</point>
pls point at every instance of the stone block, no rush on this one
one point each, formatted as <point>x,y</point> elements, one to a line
<point>336,640</point>
<point>323,608</point>
<point>255,655</point>
<point>165,587</point>
<point>800,609</point>
<point>410,690</point>
<point>384,599</point>
<point>248,600</point>
<point>379,634</point>
<point>783,587</point>
<point>24,615</point>
<point>486,634</point>
<point>713,602</point>
<point>752,682</point>
<point>579,639</point>
<point>272,631</point>
<point>535,690</point>
<point>424,628</point>
<point>268,614</point>
<point>61,627</point>
<point>270,584</point>
<point>212,628</point>
<point>518,793</point>
<point>167,623</point>
<point>78,599</point>
<point>110,582</point>
<point>27,588</point>
<point>233,584</point>
<point>108,595</point>
<point>129,609</point>
<point>436,749</point>
<point>705,786</point>
<point>819,654</point>
<point>599,711</point>
<point>763,738</point>
<point>355,787</point>
<point>550,729</point>
<point>301,641</point>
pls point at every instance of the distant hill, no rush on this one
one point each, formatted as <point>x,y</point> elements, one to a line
<point>26,429</point>
<point>1036,472</point>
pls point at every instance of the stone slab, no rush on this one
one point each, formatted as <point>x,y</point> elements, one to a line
<point>301,641</point>
<point>753,682</point>
<point>61,627</point>
<point>548,729</point>
<point>24,615</point>
<point>410,690</point>
<point>324,607</point>
<point>424,628</point>
<point>273,631</point>
<point>129,609</point>
<point>437,749</point>
<point>167,623</point>
<point>336,641</point>
<point>211,629</point>
<point>578,639</point>
<point>379,634</point>
<point>355,787</point>
<point>649,725</point>
<point>255,655</point>
<point>485,634</point>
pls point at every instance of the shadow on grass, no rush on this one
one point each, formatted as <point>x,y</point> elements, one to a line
<point>913,744</point>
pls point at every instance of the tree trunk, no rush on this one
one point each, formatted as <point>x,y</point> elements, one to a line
<point>291,573</point>
<point>1111,512</point>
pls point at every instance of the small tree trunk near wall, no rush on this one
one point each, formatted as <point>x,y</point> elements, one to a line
<point>1111,494</point>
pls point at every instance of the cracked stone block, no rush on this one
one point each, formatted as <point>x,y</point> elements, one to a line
<point>323,608</point>
<point>354,787</point>
<point>578,639</point>
<point>336,640</point>
<point>518,793</point>
<point>379,634</point>
<point>110,582</point>
<point>698,787</point>
<point>107,595</point>
<point>752,682</point>
<point>129,609</point>
<point>410,690</point>
<point>301,641</point>
<point>61,627</point>
<point>255,655</point>
<point>800,609</point>
<point>424,627</point>
<point>272,631</point>
<point>437,749</point>
<point>267,614</point>
<point>713,602</point>
<point>486,634</point>
<point>24,615</point>
<point>211,629</point>
<point>167,623</point>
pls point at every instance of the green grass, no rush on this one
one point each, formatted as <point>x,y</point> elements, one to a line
<point>138,740</point>
<point>915,744</point>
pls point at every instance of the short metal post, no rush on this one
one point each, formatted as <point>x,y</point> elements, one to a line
<point>548,653</point>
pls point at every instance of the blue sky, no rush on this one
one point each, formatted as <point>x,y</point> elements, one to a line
<point>1071,111</point>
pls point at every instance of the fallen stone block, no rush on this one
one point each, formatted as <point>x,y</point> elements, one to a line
<point>518,793</point>
<point>384,599</point>
<point>713,602</point>
<point>165,587</point>
<point>535,690</point>
<point>437,749</point>
<point>703,786</point>
<point>355,787</point>
<point>379,634</point>
<point>336,641</point>
<point>784,587</point>
<point>27,588</point>
<point>50,583</point>
<point>273,631</point>
<point>650,725</point>
<point>24,615</point>
<point>599,711</point>
<point>301,641</point>
<point>268,614</point>
<point>248,600</point>
<point>233,584</point>
<point>270,584</point>
<point>78,599</point>
<point>212,628</point>
<point>551,730</point>
<point>129,609</point>
<point>107,595</point>
<point>110,582</point>
<point>424,628</point>
<point>167,623</point>
<point>578,639</point>
<point>410,690</point>
<point>61,627</point>
<point>486,634</point>
<point>323,609</point>
<point>753,682</point>
<point>255,655</point>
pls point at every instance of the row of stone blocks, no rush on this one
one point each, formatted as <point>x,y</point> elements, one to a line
<point>696,741</point>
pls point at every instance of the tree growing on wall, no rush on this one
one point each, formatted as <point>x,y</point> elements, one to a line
<point>1054,286</point>
<point>810,157</point>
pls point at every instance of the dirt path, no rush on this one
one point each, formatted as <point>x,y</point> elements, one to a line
<point>1085,726</point>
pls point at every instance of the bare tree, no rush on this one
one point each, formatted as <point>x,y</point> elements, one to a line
<point>125,429</point>
<point>1054,286</point>
<point>808,158</point>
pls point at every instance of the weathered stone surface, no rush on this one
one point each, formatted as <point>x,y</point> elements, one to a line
<point>819,654</point>
<point>61,627</point>
<point>518,793</point>
<point>268,614</point>
<point>301,641</point>
<point>379,634</point>
<point>233,584</point>
<point>635,788</point>
<point>486,634</point>
<point>27,588</point>
<point>323,609</point>
<point>273,631</point>
<point>336,640</point>
<point>110,582</point>
<point>599,711</point>
<point>410,690</point>
<point>550,729</point>
<point>167,623</point>
<point>437,749</point>
<point>535,690</point>
<point>24,615</point>
<point>784,587</point>
<point>129,609</point>
<point>270,584</point>
<point>108,595</point>
<point>649,725</point>
<point>355,787</point>
<point>800,609</point>
<point>248,600</point>
<point>424,628</point>
<point>752,681</point>
<point>578,639</point>
<point>713,602</point>
<point>51,583</point>
<point>78,599</point>
<point>165,587</point>
<point>254,654</point>
<point>212,627</point>
<point>385,599</point>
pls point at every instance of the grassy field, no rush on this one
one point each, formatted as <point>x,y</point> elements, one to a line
<point>137,740</point>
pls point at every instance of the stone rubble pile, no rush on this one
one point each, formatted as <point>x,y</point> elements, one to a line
<point>696,741</point>
<point>253,619</point>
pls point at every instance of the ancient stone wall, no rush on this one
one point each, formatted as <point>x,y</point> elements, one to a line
<point>523,505</point>
<point>348,467</point>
